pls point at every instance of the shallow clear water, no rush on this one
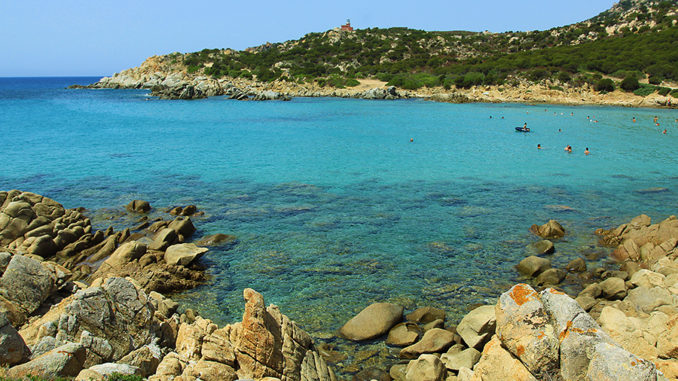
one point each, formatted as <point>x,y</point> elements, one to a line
<point>333,205</point>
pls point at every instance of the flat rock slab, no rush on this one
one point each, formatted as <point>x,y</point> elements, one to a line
<point>183,254</point>
<point>375,320</point>
<point>66,360</point>
<point>434,340</point>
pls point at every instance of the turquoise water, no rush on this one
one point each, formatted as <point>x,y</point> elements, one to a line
<point>333,205</point>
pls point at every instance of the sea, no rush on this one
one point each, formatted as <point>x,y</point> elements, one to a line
<point>339,203</point>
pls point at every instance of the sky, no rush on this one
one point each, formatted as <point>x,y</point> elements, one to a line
<point>101,37</point>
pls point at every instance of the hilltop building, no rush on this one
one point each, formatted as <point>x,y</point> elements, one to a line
<point>347,26</point>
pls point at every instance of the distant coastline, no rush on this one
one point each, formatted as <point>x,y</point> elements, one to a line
<point>170,85</point>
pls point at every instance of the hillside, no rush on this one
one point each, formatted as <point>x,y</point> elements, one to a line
<point>635,41</point>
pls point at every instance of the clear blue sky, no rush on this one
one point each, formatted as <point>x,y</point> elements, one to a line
<point>100,37</point>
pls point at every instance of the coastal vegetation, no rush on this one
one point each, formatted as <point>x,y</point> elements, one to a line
<point>633,40</point>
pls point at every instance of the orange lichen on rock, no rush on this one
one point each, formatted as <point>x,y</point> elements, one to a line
<point>556,292</point>
<point>566,331</point>
<point>522,293</point>
<point>520,350</point>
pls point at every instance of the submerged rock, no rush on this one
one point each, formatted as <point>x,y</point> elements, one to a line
<point>533,265</point>
<point>373,321</point>
<point>542,247</point>
<point>550,230</point>
<point>138,206</point>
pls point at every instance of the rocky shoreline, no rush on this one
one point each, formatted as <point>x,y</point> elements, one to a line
<point>75,302</point>
<point>181,85</point>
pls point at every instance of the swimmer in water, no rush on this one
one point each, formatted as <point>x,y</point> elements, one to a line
<point>411,140</point>
<point>586,151</point>
<point>634,119</point>
<point>568,149</point>
<point>664,132</point>
<point>538,146</point>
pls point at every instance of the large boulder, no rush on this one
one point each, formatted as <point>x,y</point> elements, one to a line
<point>496,363</point>
<point>477,327</point>
<point>551,277</point>
<point>463,359</point>
<point>183,254</point>
<point>532,266</point>
<point>425,368</point>
<point>26,283</point>
<point>554,338</point>
<point>64,361</point>
<point>124,254</point>
<point>105,371</point>
<point>610,362</point>
<point>163,239</point>
<point>183,226</point>
<point>403,334</point>
<point>550,230</point>
<point>373,321</point>
<point>577,265</point>
<point>13,350</point>
<point>524,328</point>
<point>613,288</point>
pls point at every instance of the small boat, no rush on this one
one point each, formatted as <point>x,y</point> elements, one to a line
<point>522,129</point>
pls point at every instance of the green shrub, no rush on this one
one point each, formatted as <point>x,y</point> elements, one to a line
<point>556,88</point>
<point>124,377</point>
<point>473,78</point>
<point>537,75</point>
<point>674,93</point>
<point>192,69</point>
<point>266,75</point>
<point>663,91</point>
<point>564,77</point>
<point>655,79</point>
<point>645,90</point>
<point>604,85</point>
<point>629,84</point>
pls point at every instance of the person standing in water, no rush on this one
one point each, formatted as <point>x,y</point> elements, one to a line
<point>586,151</point>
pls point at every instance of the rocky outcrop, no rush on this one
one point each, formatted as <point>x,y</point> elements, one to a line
<point>380,93</point>
<point>548,335</point>
<point>109,320</point>
<point>639,241</point>
<point>265,344</point>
